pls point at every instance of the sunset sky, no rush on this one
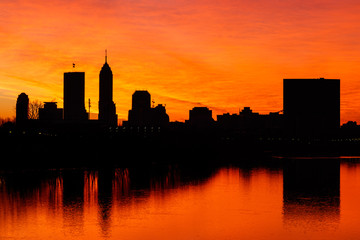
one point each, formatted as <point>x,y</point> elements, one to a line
<point>221,54</point>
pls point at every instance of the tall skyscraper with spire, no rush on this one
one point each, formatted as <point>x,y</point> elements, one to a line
<point>107,109</point>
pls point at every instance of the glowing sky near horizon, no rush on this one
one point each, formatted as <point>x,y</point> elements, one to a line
<point>221,54</point>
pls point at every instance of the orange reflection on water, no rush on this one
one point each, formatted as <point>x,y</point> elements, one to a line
<point>217,207</point>
<point>181,203</point>
<point>350,199</point>
<point>28,205</point>
<point>90,188</point>
<point>121,184</point>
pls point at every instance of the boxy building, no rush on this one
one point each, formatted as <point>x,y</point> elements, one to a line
<point>74,96</point>
<point>311,106</point>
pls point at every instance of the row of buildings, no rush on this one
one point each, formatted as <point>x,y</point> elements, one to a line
<point>310,107</point>
<point>74,110</point>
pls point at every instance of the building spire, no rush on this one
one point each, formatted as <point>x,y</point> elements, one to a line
<point>105,55</point>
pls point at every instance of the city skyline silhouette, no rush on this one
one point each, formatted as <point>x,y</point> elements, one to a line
<point>234,59</point>
<point>149,119</point>
<point>315,99</point>
<point>309,124</point>
<point>89,104</point>
<point>310,106</point>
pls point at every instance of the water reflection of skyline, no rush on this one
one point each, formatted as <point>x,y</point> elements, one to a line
<point>106,198</point>
<point>70,193</point>
<point>311,193</point>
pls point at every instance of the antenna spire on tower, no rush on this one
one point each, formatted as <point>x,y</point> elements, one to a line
<point>106,55</point>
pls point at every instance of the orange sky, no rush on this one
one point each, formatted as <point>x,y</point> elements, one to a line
<point>221,54</point>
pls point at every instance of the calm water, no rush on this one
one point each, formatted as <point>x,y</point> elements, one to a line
<point>302,200</point>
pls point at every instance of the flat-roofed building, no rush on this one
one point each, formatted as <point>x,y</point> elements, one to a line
<point>74,96</point>
<point>311,106</point>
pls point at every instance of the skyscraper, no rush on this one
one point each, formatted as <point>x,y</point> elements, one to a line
<point>312,106</point>
<point>107,109</point>
<point>139,115</point>
<point>22,108</point>
<point>74,96</point>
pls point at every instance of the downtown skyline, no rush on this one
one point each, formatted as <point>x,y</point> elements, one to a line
<point>224,56</point>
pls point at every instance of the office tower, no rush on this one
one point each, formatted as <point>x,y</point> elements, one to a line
<point>141,100</point>
<point>142,114</point>
<point>107,109</point>
<point>311,106</point>
<point>74,96</point>
<point>22,108</point>
<point>139,114</point>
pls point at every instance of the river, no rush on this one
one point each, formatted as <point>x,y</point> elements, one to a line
<point>313,198</point>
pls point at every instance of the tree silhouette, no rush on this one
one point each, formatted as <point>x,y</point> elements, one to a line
<point>34,107</point>
<point>7,120</point>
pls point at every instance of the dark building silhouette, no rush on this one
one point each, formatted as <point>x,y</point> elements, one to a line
<point>74,96</point>
<point>200,117</point>
<point>50,112</point>
<point>139,115</point>
<point>107,109</point>
<point>141,100</point>
<point>249,122</point>
<point>142,114</point>
<point>22,108</point>
<point>159,115</point>
<point>312,106</point>
<point>350,129</point>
